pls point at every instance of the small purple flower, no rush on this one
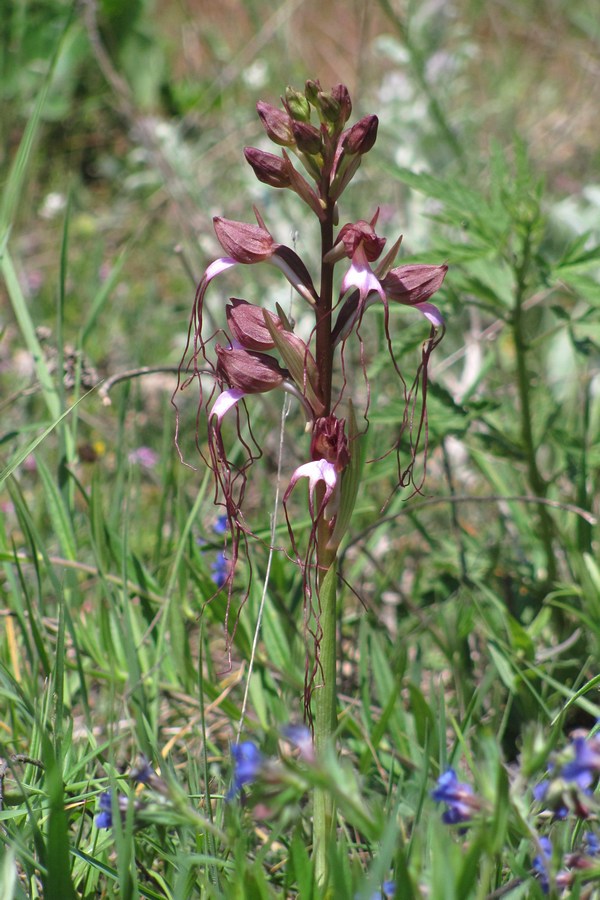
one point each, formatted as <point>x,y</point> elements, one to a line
<point>103,818</point>
<point>388,890</point>
<point>221,525</point>
<point>584,768</point>
<point>301,737</point>
<point>220,569</point>
<point>247,761</point>
<point>541,862</point>
<point>591,844</point>
<point>544,793</point>
<point>144,456</point>
<point>459,798</point>
<point>143,772</point>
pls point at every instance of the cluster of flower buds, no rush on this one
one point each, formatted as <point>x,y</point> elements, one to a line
<point>329,154</point>
<point>261,352</point>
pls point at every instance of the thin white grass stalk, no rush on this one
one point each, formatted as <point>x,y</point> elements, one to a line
<point>284,414</point>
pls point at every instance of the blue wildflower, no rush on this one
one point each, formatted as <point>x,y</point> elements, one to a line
<point>220,569</point>
<point>221,525</point>
<point>584,768</point>
<point>103,818</point>
<point>591,844</point>
<point>544,792</point>
<point>247,761</point>
<point>104,815</point>
<point>388,890</point>
<point>143,772</point>
<point>540,864</point>
<point>459,798</point>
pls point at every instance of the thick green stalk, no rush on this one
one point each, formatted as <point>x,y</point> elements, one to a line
<point>325,720</point>
<point>325,696</point>
<point>535,478</point>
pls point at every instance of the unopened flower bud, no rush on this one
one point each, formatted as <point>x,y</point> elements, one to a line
<point>307,137</point>
<point>252,373</point>
<point>297,105</point>
<point>340,95</point>
<point>277,124</point>
<point>247,324</point>
<point>243,242</point>
<point>311,92</point>
<point>330,109</point>
<point>268,168</point>
<point>360,137</point>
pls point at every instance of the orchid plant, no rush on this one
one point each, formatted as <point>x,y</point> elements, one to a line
<point>257,351</point>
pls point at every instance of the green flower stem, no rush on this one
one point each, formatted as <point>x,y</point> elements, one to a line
<point>537,483</point>
<point>325,697</point>
<point>325,720</point>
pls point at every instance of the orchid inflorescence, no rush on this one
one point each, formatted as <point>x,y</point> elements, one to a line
<point>258,351</point>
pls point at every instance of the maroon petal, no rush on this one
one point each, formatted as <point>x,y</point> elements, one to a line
<point>277,124</point>
<point>243,242</point>
<point>247,324</point>
<point>413,284</point>
<point>252,373</point>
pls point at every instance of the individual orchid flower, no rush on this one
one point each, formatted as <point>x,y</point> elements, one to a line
<point>410,285</point>
<point>277,124</point>
<point>248,371</point>
<point>247,325</point>
<point>413,285</point>
<point>330,457</point>
<point>360,275</point>
<point>316,471</point>
<point>248,244</point>
<point>359,242</point>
